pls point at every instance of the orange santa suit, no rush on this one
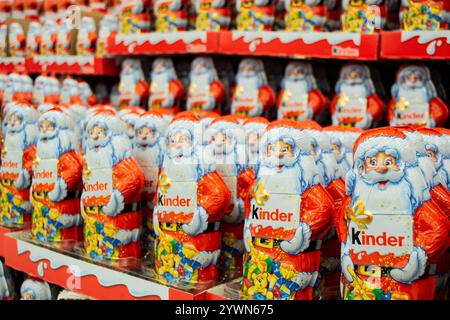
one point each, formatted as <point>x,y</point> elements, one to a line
<point>355,103</point>
<point>206,91</point>
<point>133,89</point>
<point>191,201</point>
<point>289,214</point>
<point>18,153</point>
<point>415,102</point>
<point>56,186</point>
<point>252,96</point>
<point>113,183</point>
<point>389,233</point>
<point>299,97</point>
<point>165,88</point>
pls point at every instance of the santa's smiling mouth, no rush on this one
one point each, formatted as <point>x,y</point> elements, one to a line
<point>383,184</point>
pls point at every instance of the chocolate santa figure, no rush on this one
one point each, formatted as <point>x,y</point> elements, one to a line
<point>305,15</point>
<point>212,15</point>
<point>226,149</point>
<point>109,25</point>
<point>56,184</point>
<point>170,15</point>
<point>299,97</point>
<point>254,129</point>
<point>414,99</point>
<point>206,91</point>
<point>288,215</point>
<point>33,39</point>
<point>16,39</point>
<point>255,15</point>
<point>389,229</point>
<point>49,37</point>
<point>165,88</point>
<point>113,181</point>
<point>70,91</point>
<point>129,116</point>
<point>46,90</point>
<point>87,36</point>
<point>35,289</point>
<point>148,150</point>
<point>6,283</point>
<point>356,103</point>
<point>18,153</point>
<point>192,199</point>
<point>341,146</point>
<point>133,89</point>
<point>251,96</point>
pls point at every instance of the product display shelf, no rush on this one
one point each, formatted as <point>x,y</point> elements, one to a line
<point>73,65</point>
<point>423,45</point>
<point>66,268</point>
<point>163,43</point>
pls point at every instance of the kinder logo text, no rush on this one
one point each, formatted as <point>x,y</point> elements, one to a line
<point>40,175</point>
<point>174,201</point>
<point>359,237</point>
<point>97,186</point>
<point>259,213</point>
<point>10,164</point>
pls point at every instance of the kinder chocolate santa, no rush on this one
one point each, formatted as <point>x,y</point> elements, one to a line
<point>49,37</point>
<point>133,89</point>
<point>305,15</point>
<point>299,97</point>
<point>420,15</point>
<point>148,150</point>
<point>356,104</point>
<point>389,229</point>
<point>206,92</point>
<point>35,289</point>
<point>34,38</point>
<point>252,96</point>
<point>342,145</point>
<point>134,16</point>
<point>255,15</point>
<point>108,25</point>
<point>6,283</point>
<point>16,169</point>
<point>414,99</point>
<point>56,186</point>
<point>165,88</point>
<point>70,91</point>
<point>212,15</point>
<point>3,38</point>
<point>130,115</point>
<point>16,39</point>
<point>254,129</point>
<point>288,215</point>
<point>226,149</point>
<point>363,16</point>
<point>64,38</point>
<point>192,199</point>
<point>171,15</point>
<point>87,96</point>
<point>87,36</point>
<point>113,181</point>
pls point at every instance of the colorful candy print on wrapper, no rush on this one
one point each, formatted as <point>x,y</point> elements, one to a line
<point>112,185</point>
<point>16,39</point>
<point>226,149</point>
<point>191,201</point>
<point>305,15</point>
<point>414,99</point>
<point>252,96</point>
<point>255,15</point>
<point>390,229</point>
<point>299,97</point>
<point>148,150</point>
<point>165,88</point>
<point>419,15</point>
<point>288,215</point>
<point>133,89</point>
<point>206,92</point>
<point>355,104</point>
<point>18,153</point>
<point>362,16</point>
<point>56,183</point>
<point>212,15</point>
<point>170,15</point>
<point>135,16</point>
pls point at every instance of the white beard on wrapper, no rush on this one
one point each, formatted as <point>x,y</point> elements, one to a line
<point>416,95</point>
<point>428,170</point>
<point>105,151</point>
<point>15,141</point>
<point>188,165</point>
<point>296,86</point>
<point>357,90</point>
<point>291,177</point>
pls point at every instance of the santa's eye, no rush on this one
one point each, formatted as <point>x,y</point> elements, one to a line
<point>373,162</point>
<point>388,162</point>
<point>285,149</point>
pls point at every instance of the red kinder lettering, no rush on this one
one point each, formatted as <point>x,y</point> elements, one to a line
<point>409,116</point>
<point>276,215</point>
<point>43,175</point>
<point>98,186</point>
<point>10,164</point>
<point>173,202</point>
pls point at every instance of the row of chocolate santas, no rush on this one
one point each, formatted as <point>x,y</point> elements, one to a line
<point>355,104</point>
<point>208,195</point>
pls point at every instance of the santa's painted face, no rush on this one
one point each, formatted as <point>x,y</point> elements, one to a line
<point>145,136</point>
<point>354,76</point>
<point>26,295</point>
<point>296,73</point>
<point>14,123</point>
<point>432,155</point>
<point>413,80</point>
<point>46,129</point>
<point>179,145</point>
<point>221,143</point>
<point>159,67</point>
<point>97,136</point>
<point>253,141</point>
<point>199,67</point>
<point>336,149</point>
<point>130,129</point>
<point>279,154</point>
<point>248,70</point>
<point>381,169</point>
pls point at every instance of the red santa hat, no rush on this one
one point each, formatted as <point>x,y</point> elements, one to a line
<point>344,136</point>
<point>434,139</point>
<point>315,130</point>
<point>153,119</point>
<point>57,116</point>
<point>25,110</point>
<point>38,289</point>
<point>388,139</point>
<point>287,130</point>
<point>186,121</point>
<point>415,137</point>
<point>130,110</point>
<point>230,125</point>
<point>108,119</point>
<point>258,124</point>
